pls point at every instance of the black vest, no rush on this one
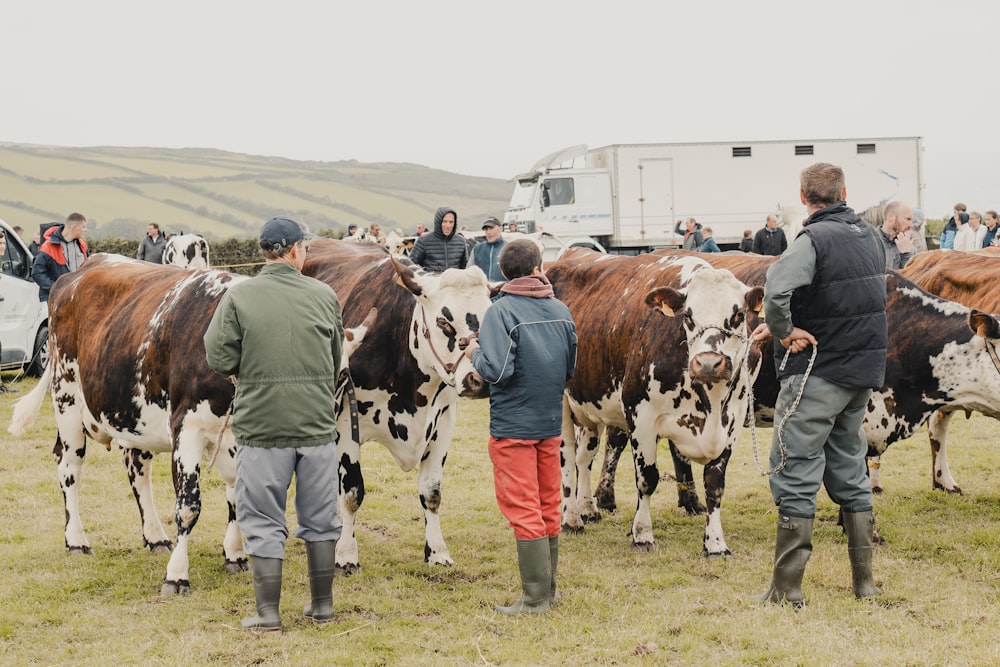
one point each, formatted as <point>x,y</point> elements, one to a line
<point>844,306</point>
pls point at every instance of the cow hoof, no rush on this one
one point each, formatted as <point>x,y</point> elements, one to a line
<point>169,588</point>
<point>85,550</point>
<point>591,518</point>
<point>877,538</point>
<point>644,547</point>
<point>718,554</point>
<point>160,548</point>
<point>607,505</point>
<point>346,570</point>
<point>237,566</point>
<point>878,490</point>
<point>576,528</point>
<point>694,510</point>
<point>957,490</point>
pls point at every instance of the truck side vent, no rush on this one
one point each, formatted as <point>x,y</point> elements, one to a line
<point>866,148</point>
<point>741,151</point>
<point>803,150</point>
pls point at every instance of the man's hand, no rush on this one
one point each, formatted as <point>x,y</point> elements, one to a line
<point>904,243</point>
<point>798,340</point>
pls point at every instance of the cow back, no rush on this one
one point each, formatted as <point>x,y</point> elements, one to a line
<point>968,278</point>
<point>134,330</point>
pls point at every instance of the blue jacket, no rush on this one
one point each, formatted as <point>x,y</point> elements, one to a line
<point>710,245</point>
<point>527,354</point>
<point>486,255</point>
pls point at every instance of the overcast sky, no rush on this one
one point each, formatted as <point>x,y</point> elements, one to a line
<point>487,88</point>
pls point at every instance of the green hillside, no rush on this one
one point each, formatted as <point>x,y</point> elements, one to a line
<point>223,195</point>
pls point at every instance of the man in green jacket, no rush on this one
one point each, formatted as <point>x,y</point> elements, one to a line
<point>281,334</point>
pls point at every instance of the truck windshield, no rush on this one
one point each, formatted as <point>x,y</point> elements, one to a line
<point>524,193</point>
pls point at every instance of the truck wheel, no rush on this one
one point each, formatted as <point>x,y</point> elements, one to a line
<point>40,354</point>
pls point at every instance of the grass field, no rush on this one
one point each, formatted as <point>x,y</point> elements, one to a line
<point>938,571</point>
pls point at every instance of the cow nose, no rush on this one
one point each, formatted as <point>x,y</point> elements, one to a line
<point>708,366</point>
<point>474,387</point>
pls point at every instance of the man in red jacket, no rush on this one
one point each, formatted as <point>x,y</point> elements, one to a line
<point>62,251</point>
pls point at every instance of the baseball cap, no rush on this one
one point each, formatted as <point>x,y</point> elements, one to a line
<point>491,222</point>
<point>282,232</point>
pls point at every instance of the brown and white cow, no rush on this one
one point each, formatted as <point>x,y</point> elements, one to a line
<point>939,360</point>
<point>188,251</point>
<point>662,349</point>
<point>408,372</point>
<point>128,364</point>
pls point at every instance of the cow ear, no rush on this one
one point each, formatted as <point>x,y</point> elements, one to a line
<point>755,298</point>
<point>984,324</point>
<point>406,277</point>
<point>667,299</point>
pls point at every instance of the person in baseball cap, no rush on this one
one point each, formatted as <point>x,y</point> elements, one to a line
<point>486,254</point>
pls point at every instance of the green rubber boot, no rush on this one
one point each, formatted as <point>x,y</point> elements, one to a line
<point>859,527</point>
<point>792,548</point>
<point>267,590</point>
<point>533,561</point>
<point>553,561</point>
<point>321,557</point>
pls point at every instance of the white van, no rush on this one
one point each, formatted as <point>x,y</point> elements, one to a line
<point>24,320</point>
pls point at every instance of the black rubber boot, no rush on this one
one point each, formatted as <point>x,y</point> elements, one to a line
<point>267,590</point>
<point>533,561</point>
<point>553,561</point>
<point>321,557</point>
<point>860,526</point>
<point>792,548</point>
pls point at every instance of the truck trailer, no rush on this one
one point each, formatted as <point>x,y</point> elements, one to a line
<point>629,198</point>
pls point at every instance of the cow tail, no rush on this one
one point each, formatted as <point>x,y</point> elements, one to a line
<point>27,408</point>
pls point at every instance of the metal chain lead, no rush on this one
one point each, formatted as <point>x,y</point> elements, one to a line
<point>781,426</point>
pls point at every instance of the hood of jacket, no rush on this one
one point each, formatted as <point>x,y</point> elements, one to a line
<point>439,216</point>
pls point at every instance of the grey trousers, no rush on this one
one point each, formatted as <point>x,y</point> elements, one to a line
<point>824,442</point>
<point>263,476</point>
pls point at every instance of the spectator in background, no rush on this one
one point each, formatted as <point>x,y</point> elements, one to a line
<point>770,240</point>
<point>512,227</point>
<point>486,254</point>
<point>970,237</point>
<point>36,243</point>
<point>692,234</point>
<point>991,228</point>
<point>958,218</point>
<point>152,245</point>
<point>18,230</point>
<point>63,251</point>
<point>375,234</point>
<point>709,244</point>
<point>352,230</point>
<point>421,230</point>
<point>443,248</point>
<point>917,233</point>
<point>896,241</point>
<point>746,245</point>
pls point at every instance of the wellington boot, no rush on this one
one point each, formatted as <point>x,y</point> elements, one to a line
<point>792,548</point>
<point>267,589</point>
<point>321,557</point>
<point>533,561</point>
<point>553,561</point>
<point>859,527</point>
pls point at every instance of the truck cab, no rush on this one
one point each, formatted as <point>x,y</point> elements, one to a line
<point>24,331</point>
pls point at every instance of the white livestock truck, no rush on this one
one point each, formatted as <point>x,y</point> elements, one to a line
<point>629,197</point>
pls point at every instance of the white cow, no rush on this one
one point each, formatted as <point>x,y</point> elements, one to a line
<point>188,251</point>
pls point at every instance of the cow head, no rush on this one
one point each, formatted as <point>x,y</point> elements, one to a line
<point>713,306</point>
<point>450,308</point>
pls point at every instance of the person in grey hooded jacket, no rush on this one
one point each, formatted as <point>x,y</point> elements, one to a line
<point>443,248</point>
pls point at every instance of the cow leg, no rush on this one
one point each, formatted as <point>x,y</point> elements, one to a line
<point>429,485</point>
<point>138,464</point>
<point>687,494</point>
<point>647,476</point>
<point>617,440</point>
<point>232,544</point>
<point>70,453</point>
<point>937,429</point>
<point>715,487</point>
<point>350,496</point>
<point>571,520</point>
<point>584,464</point>
<point>875,473</point>
<point>188,450</point>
